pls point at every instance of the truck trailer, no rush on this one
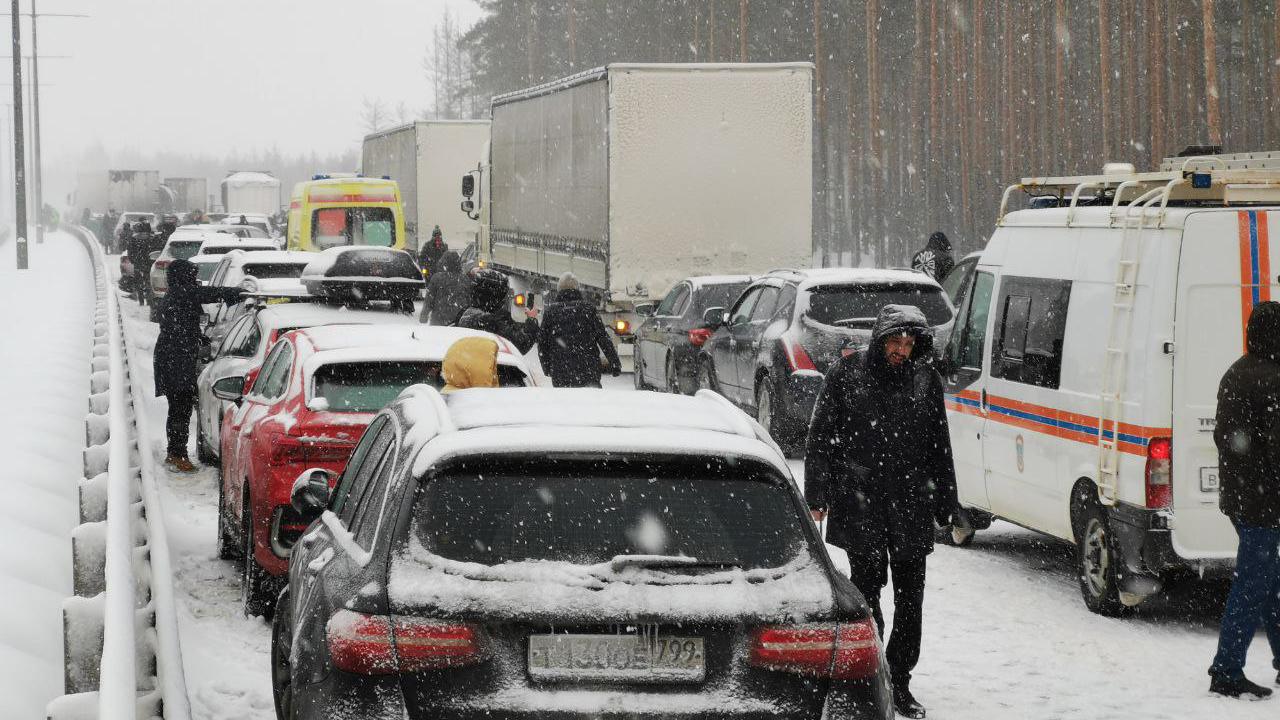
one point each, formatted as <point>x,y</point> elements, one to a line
<point>635,176</point>
<point>252,191</point>
<point>187,193</point>
<point>133,190</point>
<point>425,158</point>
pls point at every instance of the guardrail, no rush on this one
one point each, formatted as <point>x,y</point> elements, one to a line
<point>120,629</point>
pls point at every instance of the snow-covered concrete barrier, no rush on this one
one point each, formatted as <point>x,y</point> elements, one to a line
<point>121,646</point>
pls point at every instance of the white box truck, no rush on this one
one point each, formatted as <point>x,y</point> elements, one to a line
<point>426,158</point>
<point>251,192</point>
<point>635,176</point>
<point>185,194</point>
<point>133,189</point>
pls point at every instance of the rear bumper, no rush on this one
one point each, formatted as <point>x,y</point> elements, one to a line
<point>1146,548</point>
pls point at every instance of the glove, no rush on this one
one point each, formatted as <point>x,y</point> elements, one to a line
<point>942,514</point>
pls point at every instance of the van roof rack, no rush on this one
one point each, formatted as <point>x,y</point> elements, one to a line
<point>1237,178</point>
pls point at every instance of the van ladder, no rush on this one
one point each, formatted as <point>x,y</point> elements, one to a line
<point>1115,363</point>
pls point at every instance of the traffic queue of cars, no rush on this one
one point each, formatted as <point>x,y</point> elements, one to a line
<point>511,551</point>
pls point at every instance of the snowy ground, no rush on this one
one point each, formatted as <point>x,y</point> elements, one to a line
<point>46,316</point>
<point>1006,634</point>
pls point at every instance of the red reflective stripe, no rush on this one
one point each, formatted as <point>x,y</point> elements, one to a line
<point>348,198</point>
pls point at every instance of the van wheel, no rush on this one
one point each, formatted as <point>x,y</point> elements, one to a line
<point>253,579</point>
<point>1097,560</point>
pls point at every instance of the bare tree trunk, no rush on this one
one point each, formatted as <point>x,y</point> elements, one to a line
<point>530,32</point>
<point>873,129</point>
<point>742,30</point>
<point>1156,60</point>
<point>572,14</point>
<point>1212,119</point>
<point>1009,99</point>
<point>1275,78</point>
<point>711,32</point>
<point>819,64</point>
<point>1104,55</point>
<point>931,168</point>
<point>1059,67</point>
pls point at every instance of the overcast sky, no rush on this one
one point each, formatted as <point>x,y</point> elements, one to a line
<point>212,75</point>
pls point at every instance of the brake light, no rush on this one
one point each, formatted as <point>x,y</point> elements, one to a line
<point>287,449</point>
<point>849,651</point>
<point>163,263</point>
<point>374,645</point>
<point>699,336</point>
<point>1159,473</point>
<point>797,358</point>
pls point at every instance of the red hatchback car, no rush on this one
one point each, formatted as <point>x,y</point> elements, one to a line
<point>305,408</point>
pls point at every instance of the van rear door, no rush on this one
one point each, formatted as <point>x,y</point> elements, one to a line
<point>1224,270</point>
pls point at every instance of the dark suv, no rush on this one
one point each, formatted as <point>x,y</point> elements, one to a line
<point>631,555</point>
<point>770,351</point>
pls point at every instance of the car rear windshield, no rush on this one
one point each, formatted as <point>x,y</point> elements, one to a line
<point>273,270</point>
<point>371,386</point>
<point>842,304</point>
<point>719,295</point>
<point>572,511</point>
<point>184,249</point>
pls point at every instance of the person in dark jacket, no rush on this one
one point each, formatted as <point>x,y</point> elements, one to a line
<point>448,291</point>
<point>177,351</point>
<point>879,464</point>
<point>488,311</point>
<point>142,242</point>
<point>432,251</point>
<point>935,259</point>
<point>123,236</point>
<point>1247,433</point>
<point>573,338</point>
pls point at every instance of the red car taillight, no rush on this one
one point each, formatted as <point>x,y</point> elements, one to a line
<point>797,358</point>
<point>374,645</point>
<point>287,450</point>
<point>1159,473</point>
<point>699,336</point>
<point>849,651</point>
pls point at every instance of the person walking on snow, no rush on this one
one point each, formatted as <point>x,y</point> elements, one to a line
<point>573,338</point>
<point>935,259</point>
<point>177,352</point>
<point>470,363</point>
<point>1247,434</point>
<point>448,291</point>
<point>432,251</point>
<point>879,464</point>
<point>488,311</point>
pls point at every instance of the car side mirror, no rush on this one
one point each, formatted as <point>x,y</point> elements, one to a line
<point>646,309</point>
<point>310,494</point>
<point>715,317</point>
<point>230,389</point>
<point>468,185</point>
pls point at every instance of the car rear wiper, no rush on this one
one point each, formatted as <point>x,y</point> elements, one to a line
<point>657,561</point>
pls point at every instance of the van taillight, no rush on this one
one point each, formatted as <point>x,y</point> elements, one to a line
<point>797,358</point>
<point>375,645</point>
<point>848,651</point>
<point>1159,473</point>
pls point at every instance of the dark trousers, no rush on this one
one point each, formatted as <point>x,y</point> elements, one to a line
<point>870,574</point>
<point>1254,600</point>
<point>178,425</point>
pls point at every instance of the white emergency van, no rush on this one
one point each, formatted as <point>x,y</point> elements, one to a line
<point>1084,364</point>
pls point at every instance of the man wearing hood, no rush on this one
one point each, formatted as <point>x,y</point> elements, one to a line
<point>177,350</point>
<point>879,464</point>
<point>432,251</point>
<point>470,363</point>
<point>448,291</point>
<point>935,260</point>
<point>488,311</point>
<point>573,338</point>
<point>1247,433</point>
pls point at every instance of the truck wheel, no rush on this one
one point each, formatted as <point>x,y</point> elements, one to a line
<point>1097,559</point>
<point>253,579</point>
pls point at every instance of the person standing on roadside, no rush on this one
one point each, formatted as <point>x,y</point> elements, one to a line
<point>448,291</point>
<point>177,352</point>
<point>432,251</point>
<point>1247,433</point>
<point>879,464</point>
<point>141,244</point>
<point>573,338</point>
<point>935,258</point>
<point>489,311</point>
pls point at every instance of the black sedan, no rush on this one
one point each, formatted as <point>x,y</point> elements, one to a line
<point>670,339</point>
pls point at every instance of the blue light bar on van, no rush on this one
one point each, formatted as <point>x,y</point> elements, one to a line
<point>1201,181</point>
<point>319,177</point>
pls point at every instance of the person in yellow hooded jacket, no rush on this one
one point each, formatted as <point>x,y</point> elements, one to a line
<point>471,363</point>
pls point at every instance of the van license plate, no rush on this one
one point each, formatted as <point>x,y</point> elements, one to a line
<point>1209,479</point>
<point>626,658</point>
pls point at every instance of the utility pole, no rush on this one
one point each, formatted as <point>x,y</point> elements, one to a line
<point>19,168</point>
<point>35,122</point>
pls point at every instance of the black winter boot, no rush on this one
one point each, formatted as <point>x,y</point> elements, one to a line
<point>1238,687</point>
<point>905,703</point>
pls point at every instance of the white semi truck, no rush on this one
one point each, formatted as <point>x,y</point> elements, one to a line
<point>635,176</point>
<point>425,158</point>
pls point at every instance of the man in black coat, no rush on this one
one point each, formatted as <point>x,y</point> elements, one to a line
<point>177,352</point>
<point>1247,434</point>
<point>488,311</point>
<point>432,250</point>
<point>448,291</point>
<point>142,242</point>
<point>879,464</point>
<point>572,339</point>
<point>935,259</point>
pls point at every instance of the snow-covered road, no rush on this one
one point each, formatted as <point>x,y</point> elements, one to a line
<point>46,323</point>
<point>1006,634</point>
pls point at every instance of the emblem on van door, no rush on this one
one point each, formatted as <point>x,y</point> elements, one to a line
<point>1020,445</point>
<point>1208,424</point>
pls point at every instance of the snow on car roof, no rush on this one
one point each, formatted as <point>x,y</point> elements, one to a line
<point>230,242</point>
<point>336,344</point>
<point>205,259</point>
<point>700,281</point>
<point>839,276</point>
<point>309,314</point>
<point>281,257</point>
